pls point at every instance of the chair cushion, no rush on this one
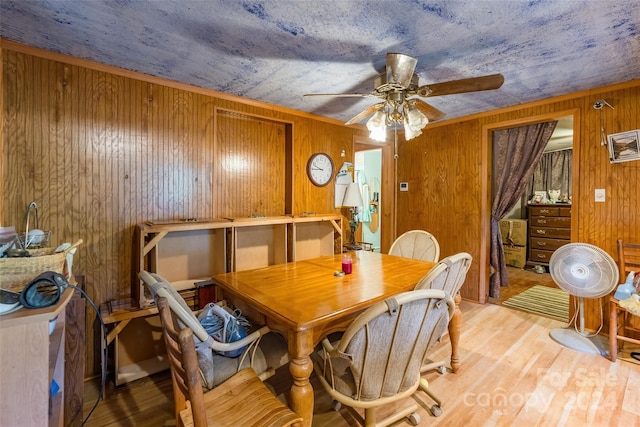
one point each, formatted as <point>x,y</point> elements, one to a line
<point>272,352</point>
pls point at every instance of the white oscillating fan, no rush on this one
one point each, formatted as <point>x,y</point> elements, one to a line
<point>585,271</point>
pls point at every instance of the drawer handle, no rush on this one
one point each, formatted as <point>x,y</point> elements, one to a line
<point>541,232</point>
<point>544,210</point>
<point>542,221</point>
<point>541,256</point>
<point>542,243</point>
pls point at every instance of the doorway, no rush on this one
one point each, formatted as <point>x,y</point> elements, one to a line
<point>379,156</point>
<point>527,266</point>
<point>368,173</point>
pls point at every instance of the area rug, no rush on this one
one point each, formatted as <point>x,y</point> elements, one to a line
<point>542,300</point>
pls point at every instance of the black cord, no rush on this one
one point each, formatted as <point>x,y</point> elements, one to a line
<point>104,356</point>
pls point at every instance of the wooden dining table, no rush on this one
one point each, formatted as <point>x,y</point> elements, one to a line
<point>305,301</point>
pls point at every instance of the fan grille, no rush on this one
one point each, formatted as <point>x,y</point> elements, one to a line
<point>583,270</point>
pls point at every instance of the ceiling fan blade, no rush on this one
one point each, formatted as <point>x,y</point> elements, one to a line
<point>344,95</point>
<point>473,84</point>
<point>365,113</point>
<point>430,111</point>
<point>400,68</point>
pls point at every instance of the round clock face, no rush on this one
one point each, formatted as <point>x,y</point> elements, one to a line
<point>320,169</point>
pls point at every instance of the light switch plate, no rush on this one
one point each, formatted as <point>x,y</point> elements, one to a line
<point>404,186</point>
<point>600,195</point>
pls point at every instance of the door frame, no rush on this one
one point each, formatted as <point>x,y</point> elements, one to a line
<point>387,186</point>
<point>485,208</point>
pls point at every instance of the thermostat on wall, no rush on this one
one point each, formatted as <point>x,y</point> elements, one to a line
<point>404,186</point>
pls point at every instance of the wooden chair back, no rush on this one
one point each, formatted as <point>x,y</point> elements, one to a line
<point>183,362</point>
<point>219,406</point>
<point>628,258</point>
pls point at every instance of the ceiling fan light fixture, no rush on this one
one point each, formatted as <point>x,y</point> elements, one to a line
<point>377,126</point>
<point>409,132</point>
<point>414,122</point>
<point>415,117</point>
<point>397,84</point>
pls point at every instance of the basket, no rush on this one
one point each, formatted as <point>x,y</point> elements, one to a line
<point>16,273</point>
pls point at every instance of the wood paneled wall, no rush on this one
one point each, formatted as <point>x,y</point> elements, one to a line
<point>443,170</point>
<point>448,170</point>
<point>251,170</point>
<point>101,150</point>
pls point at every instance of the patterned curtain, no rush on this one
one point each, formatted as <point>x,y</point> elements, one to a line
<point>553,173</point>
<point>516,154</point>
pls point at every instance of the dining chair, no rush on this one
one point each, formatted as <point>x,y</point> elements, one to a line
<point>619,316</point>
<point>241,400</point>
<point>262,350</point>
<point>448,275</point>
<point>417,244</point>
<point>628,258</point>
<point>377,360</point>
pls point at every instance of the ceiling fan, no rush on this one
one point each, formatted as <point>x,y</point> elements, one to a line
<point>397,85</point>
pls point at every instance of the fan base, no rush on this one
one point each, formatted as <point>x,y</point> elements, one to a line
<point>570,338</point>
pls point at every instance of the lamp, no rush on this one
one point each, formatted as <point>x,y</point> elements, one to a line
<point>353,199</point>
<point>397,110</point>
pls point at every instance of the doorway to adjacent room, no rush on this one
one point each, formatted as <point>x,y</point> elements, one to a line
<point>528,274</point>
<point>368,171</point>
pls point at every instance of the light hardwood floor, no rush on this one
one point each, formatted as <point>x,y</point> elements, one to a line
<point>522,279</point>
<point>512,373</point>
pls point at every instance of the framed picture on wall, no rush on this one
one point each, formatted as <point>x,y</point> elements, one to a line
<point>624,146</point>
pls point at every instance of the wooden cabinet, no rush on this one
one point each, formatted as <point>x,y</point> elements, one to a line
<point>31,360</point>
<point>549,228</point>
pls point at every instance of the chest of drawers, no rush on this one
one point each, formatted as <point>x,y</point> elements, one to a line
<point>549,228</point>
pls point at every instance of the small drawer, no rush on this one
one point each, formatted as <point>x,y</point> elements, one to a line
<point>565,211</point>
<point>554,233</point>
<point>546,244</point>
<point>553,221</point>
<point>545,210</point>
<point>536,255</point>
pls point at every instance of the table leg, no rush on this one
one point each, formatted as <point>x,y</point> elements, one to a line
<point>454,333</point>
<point>301,367</point>
<point>613,331</point>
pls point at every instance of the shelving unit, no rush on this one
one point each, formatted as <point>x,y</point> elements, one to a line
<point>183,252</point>
<point>315,235</point>
<point>187,252</point>
<point>258,242</point>
<point>31,359</point>
<point>135,334</point>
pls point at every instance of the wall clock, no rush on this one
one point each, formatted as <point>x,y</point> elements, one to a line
<point>320,169</point>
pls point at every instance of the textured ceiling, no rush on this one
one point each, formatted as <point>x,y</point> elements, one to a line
<point>276,51</point>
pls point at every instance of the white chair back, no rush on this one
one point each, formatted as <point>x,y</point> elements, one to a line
<point>416,244</point>
<point>448,275</point>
